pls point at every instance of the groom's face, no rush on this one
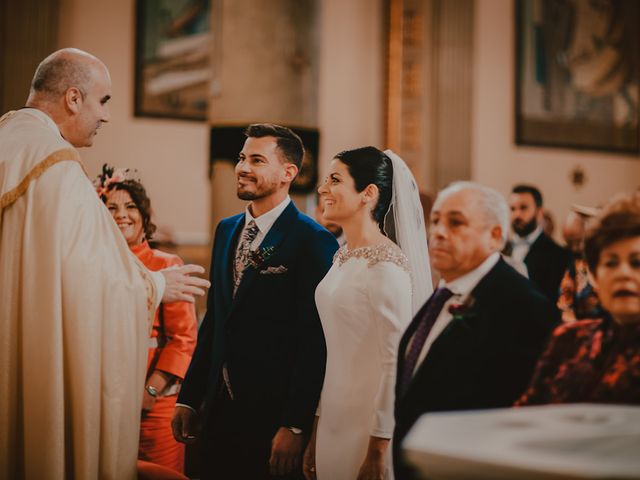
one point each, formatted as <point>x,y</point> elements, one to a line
<point>260,171</point>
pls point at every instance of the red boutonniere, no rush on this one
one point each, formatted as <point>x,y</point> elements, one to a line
<point>462,310</point>
<point>257,257</point>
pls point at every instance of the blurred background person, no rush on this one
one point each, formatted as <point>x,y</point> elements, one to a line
<point>545,260</point>
<point>598,360</point>
<point>173,335</point>
<point>577,298</point>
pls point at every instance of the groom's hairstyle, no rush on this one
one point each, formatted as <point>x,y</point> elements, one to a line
<point>288,142</point>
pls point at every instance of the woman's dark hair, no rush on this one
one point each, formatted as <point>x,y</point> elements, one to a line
<point>368,165</point>
<point>618,220</point>
<point>135,190</point>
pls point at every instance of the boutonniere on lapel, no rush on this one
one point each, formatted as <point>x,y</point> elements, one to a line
<point>257,257</point>
<point>463,310</point>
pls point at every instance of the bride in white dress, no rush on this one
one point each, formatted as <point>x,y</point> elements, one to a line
<point>377,282</point>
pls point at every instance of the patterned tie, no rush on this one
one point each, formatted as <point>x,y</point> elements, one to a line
<point>242,254</point>
<point>436,302</point>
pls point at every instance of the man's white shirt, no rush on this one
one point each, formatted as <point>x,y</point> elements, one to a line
<point>264,222</point>
<point>521,245</point>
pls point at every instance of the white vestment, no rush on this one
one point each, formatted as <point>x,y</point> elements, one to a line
<point>75,307</point>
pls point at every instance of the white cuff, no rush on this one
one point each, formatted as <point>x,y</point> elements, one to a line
<point>186,406</point>
<point>158,279</point>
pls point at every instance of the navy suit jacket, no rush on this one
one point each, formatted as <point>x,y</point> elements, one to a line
<point>483,359</point>
<point>269,334</point>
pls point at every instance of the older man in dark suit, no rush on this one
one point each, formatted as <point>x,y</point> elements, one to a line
<point>476,341</point>
<point>258,367</point>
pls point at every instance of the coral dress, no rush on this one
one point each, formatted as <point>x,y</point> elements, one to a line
<point>170,349</point>
<point>364,304</point>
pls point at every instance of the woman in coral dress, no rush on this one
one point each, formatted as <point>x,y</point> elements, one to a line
<point>173,336</point>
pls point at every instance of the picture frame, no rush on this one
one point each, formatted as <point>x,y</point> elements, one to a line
<point>577,74</point>
<point>173,52</point>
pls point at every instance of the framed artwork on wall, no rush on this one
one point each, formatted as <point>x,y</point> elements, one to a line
<point>577,74</point>
<point>173,70</point>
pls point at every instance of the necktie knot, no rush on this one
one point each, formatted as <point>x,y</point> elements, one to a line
<point>441,295</point>
<point>251,232</point>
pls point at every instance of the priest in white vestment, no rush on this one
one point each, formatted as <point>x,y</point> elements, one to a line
<point>75,304</point>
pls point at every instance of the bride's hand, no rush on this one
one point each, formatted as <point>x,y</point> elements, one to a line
<point>373,467</point>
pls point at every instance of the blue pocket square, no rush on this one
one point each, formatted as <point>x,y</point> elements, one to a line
<point>274,270</point>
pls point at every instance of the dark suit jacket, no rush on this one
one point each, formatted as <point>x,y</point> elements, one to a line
<point>546,263</point>
<point>483,359</point>
<point>269,334</point>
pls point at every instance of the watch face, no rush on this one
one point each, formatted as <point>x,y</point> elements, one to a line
<point>294,430</point>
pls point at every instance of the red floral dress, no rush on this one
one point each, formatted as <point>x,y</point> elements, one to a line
<point>588,361</point>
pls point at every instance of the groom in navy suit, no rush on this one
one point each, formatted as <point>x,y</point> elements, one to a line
<point>254,383</point>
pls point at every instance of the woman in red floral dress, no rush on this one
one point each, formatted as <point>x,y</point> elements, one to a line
<point>599,360</point>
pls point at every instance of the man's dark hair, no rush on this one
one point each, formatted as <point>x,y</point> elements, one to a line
<point>531,190</point>
<point>288,142</point>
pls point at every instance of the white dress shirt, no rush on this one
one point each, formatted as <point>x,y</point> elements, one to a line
<point>521,245</point>
<point>264,222</point>
<point>461,288</point>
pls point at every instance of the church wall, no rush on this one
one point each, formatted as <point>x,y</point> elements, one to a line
<point>171,156</point>
<point>497,161</point>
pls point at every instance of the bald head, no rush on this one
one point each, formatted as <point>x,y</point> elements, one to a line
<point>62,70</point>
<point>73,88</point>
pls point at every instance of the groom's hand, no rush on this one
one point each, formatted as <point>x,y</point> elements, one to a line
<point>286,449</point>
<point>181,286</point>
<point>184,425</point>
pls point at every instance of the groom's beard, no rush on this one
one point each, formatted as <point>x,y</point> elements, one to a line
<point>255,190</point>
<point>524,229</point>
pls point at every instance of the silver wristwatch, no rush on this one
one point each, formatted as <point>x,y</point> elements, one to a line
<point>151,390</point>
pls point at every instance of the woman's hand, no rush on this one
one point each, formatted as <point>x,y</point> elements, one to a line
<point>148,401</point>
<point>309,459</point>
<point>158,380</point>
<point>373,467</point>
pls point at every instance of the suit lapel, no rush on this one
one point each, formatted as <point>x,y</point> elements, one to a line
<point>228,257</point>
<point>273,239</point>
<point>456,332</point>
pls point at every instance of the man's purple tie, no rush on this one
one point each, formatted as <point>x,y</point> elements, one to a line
<point>436,302</point>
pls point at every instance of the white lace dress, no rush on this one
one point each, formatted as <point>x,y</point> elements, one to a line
<point>364,303</point>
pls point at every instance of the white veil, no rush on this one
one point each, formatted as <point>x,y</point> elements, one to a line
<point>404,224</point>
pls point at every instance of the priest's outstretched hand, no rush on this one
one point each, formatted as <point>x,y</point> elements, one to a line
<point>181,285</point>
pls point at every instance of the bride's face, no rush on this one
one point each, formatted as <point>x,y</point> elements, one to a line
<point>338,194</point>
